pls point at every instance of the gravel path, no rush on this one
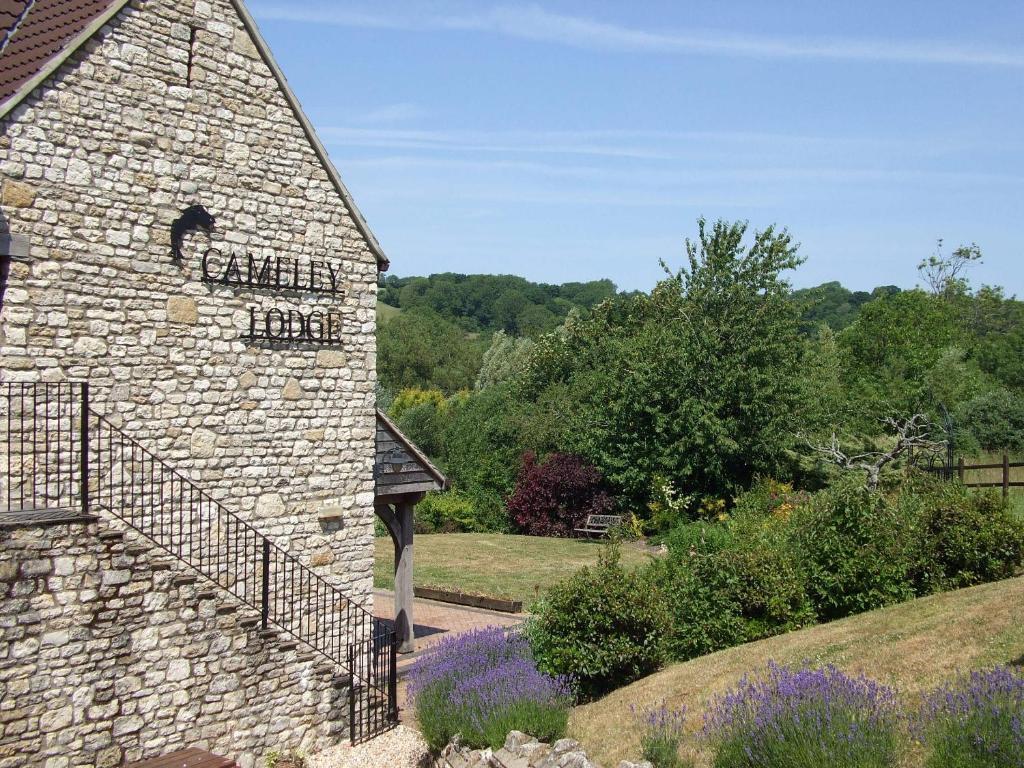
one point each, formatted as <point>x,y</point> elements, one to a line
<point>401,747</point>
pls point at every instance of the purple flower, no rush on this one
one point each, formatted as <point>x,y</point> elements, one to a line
<point>820,712</point>
<point>482,678</point>
<point>976,715</point>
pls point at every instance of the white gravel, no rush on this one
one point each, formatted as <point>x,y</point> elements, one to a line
<point>401,747</point>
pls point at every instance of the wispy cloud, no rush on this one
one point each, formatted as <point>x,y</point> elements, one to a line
<point>532,22</point>
<point>389,114</point>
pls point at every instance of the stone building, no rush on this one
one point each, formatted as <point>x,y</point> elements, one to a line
<point>173,233</point>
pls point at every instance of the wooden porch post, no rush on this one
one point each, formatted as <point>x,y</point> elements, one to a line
<point>404,623</point>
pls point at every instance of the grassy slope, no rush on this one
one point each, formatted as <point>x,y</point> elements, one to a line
<point>386,311</point>
<point>912,646</point>
<point>493,564</point>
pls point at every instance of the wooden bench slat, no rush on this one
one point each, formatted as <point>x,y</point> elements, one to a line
<point>186,758</point>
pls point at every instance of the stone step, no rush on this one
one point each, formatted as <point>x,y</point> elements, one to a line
<point>207,594</point>
<point>249,622</point>
<point>184,579</point>
<point>226,610</point>
<point>111,536</point>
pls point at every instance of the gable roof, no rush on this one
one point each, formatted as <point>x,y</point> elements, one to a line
<point>400,467</point>
<point>37,31</point>
<point>38,36</point>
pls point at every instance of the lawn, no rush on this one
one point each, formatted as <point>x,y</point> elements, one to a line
<point>519,567</point>
<point>912,646</point>
<point>386,312</point>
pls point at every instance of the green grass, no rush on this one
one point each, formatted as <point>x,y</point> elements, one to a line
<point>912,646</point>
<point>385,312</point>
<point>493,564</point>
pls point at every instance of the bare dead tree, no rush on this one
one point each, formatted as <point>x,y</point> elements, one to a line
<point>914,433</point>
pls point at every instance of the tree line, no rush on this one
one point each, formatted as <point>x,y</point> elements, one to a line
<point>719,375</point>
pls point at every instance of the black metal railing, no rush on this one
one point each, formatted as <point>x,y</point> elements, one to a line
<point>61,454</point>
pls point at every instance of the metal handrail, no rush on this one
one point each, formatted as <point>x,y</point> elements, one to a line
<point>113,471</point>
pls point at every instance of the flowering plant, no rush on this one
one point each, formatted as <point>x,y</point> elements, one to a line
<point>804,717</point>
<point>483,684</point>
<point>974,722</point>
<point>661,735</point>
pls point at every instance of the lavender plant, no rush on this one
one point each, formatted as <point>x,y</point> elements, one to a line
<point>662,733</point>
<point>975,722</point>
<point>804,718</point>
<point>483,684</point>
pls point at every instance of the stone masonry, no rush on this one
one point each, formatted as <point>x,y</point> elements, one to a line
<point>110,653</point>
<point>169,105</point>
<point>524,751</point>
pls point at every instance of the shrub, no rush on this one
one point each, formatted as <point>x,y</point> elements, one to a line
<point>451,512</point>
<point>555,496</point>
<point>414,396</point>
<point>424,424</point>
<point>661,735</point>
<point>995,420</point>
<point>857,551</point>
<point>729,584</point>
<point>965,537</point>
<point>604,626</point>
<point>804,717</point>
<point>668,507</point>
<point>976,722</point>
<point>483,684</point>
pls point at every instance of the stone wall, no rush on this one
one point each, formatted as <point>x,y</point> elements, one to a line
<point>96,164</point>
<point>109,653</point>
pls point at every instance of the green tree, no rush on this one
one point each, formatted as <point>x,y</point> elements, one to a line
<point>696,382</point>
<point>505,360</point>
<point>418,348</point>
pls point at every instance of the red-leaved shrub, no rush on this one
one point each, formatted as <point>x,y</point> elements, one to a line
<point>554,496</point>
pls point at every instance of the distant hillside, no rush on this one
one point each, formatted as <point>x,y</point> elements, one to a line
<point>487,303</point>
<point>834,305</point>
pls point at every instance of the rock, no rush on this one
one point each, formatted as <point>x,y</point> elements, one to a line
<point>79,172</point>
<point>515,740</point>
<point>330,358</point>
<point>242,43</point>
<point>292,390</point>
<point>565,745</point>
<point>18,194</point>
<point>322,557</point>
<point>56,719</point>
<point>182,309</point>
<point>247,380</point>
<point>203,443</point>
<point>90,346</point>
<point>236,154</point>
<point>270,505</point>
<point>178,669</point>
<point>641,764</point>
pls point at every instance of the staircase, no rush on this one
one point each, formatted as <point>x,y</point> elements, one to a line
<point>65,460</point>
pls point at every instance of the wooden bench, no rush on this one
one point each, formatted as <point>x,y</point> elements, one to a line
<point>187,758</point>
<point>599,525</point>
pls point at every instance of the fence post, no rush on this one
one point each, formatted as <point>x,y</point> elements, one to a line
<point>960,469</point>
<point>265,602</point>
<point>1006,476</point>
<point>84,449</point>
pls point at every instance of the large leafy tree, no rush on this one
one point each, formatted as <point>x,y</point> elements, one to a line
<point>421,349</point>
<point>698,381</point>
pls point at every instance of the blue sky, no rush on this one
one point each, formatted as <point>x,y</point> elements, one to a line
<point>579,140</point>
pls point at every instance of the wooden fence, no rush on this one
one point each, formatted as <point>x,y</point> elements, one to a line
<point>1005,481</point>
